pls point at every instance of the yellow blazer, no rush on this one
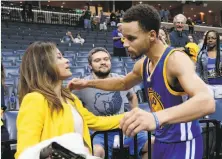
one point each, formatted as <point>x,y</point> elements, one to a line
<point>35,122</point>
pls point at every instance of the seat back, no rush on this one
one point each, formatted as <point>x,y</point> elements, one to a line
<point>10,118</point>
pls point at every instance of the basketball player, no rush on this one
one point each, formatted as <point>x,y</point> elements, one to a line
<point>168,76</point>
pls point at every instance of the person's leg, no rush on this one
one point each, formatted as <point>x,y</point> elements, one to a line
<point>99,147</point>
<point>89,25</point>
<point>115,51</point>
<point>98,144</point>
<point>142,144</point>
<point>85,23</point>
<point>100,27</point>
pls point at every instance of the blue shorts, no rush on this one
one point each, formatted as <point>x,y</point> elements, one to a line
<point>141,140</point>
<point>192,149</point>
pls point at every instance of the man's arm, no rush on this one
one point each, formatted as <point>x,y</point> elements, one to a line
<point>111,84</point>
<point>132,98</point>
<point>201,101</point>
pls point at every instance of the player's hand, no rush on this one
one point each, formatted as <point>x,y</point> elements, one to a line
<point>137,120</point>
<point>77,84</point>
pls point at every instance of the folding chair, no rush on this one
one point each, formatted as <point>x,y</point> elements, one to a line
<point>212,139</point>
<point>9,146</point>
<point>122,154</point>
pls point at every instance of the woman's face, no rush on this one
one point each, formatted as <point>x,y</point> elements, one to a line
<point>211,39</point>
<point>62,65</point>
<point>162,34</point>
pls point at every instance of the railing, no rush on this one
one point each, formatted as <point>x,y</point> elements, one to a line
<point>39,16</point>
<point>50,17</point>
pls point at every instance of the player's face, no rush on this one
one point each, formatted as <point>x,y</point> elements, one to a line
<point>101,64</point>
<point>137,42</point>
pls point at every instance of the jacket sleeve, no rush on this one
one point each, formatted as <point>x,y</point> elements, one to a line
<point>98,123</point>
<point>30,121</point>
<point>198,64</point>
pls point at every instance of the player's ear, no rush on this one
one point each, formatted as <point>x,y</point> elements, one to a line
<point>153,35</point>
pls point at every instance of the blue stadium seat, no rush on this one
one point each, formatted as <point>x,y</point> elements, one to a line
<point>129,65</point>
<point>118,70</point>
<point>7,62</point>
<point>127,59</point>
<point>78,69</point>
<point>115,59</point>
<point>82,59</point>
<point>10,123</point>
<point>118,64</point>
<point>82,63</point>
<point>11,69</point>
<point>68,53</point>
<point>7,50</point>
<point>18,62</point>
<point>7,53</point>
<point>12,57</point>
<point>9,81</point>
<point>83,54</point>
<point>20,51</point>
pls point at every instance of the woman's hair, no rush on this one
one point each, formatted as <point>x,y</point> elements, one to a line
<point>167,35</point>
<point>2,75</point>
<point>39,72</point>
<point>217,64</point>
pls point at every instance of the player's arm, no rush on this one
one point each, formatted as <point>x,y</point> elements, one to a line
<point>201,101</point>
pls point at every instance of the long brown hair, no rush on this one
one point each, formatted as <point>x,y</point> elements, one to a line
<point>38,72</point>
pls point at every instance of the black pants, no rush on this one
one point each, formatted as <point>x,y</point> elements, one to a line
<point>119,52</point>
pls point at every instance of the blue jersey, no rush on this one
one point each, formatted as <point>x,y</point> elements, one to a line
<point>213,78</point>
<point>162,96</point>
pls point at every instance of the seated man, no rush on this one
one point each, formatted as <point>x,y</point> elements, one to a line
<point>69,37</point>
<point>107,103</point>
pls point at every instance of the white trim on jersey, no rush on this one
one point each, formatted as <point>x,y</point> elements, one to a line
<point>187,150</point>
<point>193,149</point>
<point>182,132</point>
<point>190,134</point>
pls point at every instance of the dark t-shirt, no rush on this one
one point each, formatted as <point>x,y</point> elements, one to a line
<point>87,15</point>
<point>112,17</point>
<point>178,39</point>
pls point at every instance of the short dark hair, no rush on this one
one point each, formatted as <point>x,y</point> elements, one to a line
<point>146,15</point>
<point>95,50</point>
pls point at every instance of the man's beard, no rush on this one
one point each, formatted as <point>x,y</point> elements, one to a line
<point>101,74</point>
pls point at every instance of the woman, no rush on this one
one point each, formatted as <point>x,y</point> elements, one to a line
<point>209,66</point>
<point>164,36</point>
<point>48,109</point>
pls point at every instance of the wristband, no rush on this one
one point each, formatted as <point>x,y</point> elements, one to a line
<point>156,120</point>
